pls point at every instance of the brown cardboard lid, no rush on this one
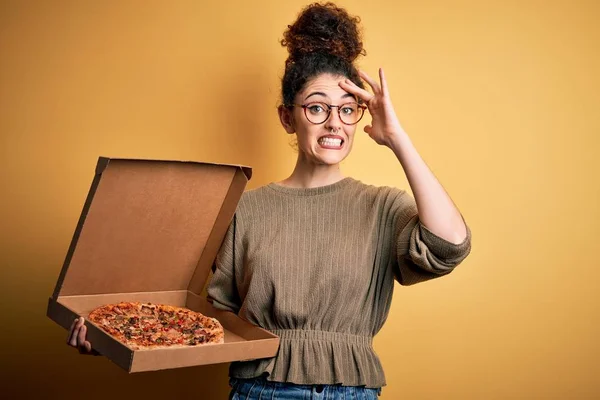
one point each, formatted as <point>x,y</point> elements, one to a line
<point>151,225</point>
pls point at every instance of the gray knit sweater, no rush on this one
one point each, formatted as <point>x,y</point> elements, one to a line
<point>316,266</point>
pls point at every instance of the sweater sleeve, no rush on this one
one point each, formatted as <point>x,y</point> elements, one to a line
<point>222,289</point>
<point>421,254</point>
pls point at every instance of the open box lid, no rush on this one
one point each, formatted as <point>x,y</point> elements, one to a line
<point>151,225</point>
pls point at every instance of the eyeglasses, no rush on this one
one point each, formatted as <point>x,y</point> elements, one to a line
<point>318,112</point>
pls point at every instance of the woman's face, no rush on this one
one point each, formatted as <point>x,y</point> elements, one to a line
<point>331,141</point>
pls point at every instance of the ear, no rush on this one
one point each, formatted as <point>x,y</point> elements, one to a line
<point>287,119</point>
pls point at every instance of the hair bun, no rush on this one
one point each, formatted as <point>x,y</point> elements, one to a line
<point>324,28</point>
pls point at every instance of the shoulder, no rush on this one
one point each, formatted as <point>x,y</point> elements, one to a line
<point>253,195</point>
<point>252,202</point>
<point>383,195</point>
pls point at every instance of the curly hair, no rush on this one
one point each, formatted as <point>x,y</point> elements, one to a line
<point>323,39</point>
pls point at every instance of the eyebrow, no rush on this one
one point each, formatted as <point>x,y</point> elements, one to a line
<point>324,95</point>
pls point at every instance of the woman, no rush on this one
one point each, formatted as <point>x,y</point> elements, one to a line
<point>313,258</point>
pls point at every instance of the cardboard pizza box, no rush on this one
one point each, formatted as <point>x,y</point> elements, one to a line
<point>150,231</point>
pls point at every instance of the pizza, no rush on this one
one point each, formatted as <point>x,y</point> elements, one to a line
<point>143,326</point>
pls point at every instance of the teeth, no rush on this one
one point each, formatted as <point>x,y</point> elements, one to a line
<point>331,142</point>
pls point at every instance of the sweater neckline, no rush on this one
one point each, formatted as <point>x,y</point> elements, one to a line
<point>333,187</point>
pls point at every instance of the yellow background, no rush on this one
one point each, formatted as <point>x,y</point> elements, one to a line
<point>501,98</point>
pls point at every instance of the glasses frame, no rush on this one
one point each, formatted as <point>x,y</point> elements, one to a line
<point>329,107</point>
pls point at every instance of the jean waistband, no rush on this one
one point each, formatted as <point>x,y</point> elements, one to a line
<point>249,386</point>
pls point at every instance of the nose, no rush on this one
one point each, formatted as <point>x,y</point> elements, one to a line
<point>333,121</point>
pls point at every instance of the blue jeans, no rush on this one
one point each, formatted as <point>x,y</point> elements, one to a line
<point>262,389</point>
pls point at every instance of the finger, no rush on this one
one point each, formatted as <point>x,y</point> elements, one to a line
<point>351,87</point>
<point>71,330</point>
<point>368,129</point>
<point>81,336</point>
<point>73,338</point>
<point>371,82</point>
<point>87,346</point>
<point>75,334</point>
<point>384,86</point>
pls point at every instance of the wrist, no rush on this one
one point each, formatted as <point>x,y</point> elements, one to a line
<point>397,141</point>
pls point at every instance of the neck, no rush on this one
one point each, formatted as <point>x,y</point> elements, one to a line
<point>309,175</point>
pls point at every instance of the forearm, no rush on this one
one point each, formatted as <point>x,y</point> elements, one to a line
<point>437,211</point>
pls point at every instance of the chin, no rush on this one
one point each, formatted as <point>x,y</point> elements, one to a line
<point>331,160</point>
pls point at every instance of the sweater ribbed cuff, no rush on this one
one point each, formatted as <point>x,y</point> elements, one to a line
<point>442,248</point>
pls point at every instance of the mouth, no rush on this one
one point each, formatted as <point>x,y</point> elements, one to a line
<point>331,142</point>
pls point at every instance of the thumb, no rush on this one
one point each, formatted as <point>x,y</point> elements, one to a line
<point>368,129</point>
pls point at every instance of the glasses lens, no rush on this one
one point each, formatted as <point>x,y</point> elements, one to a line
<point>316,113</point>
<point>350,113</point>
